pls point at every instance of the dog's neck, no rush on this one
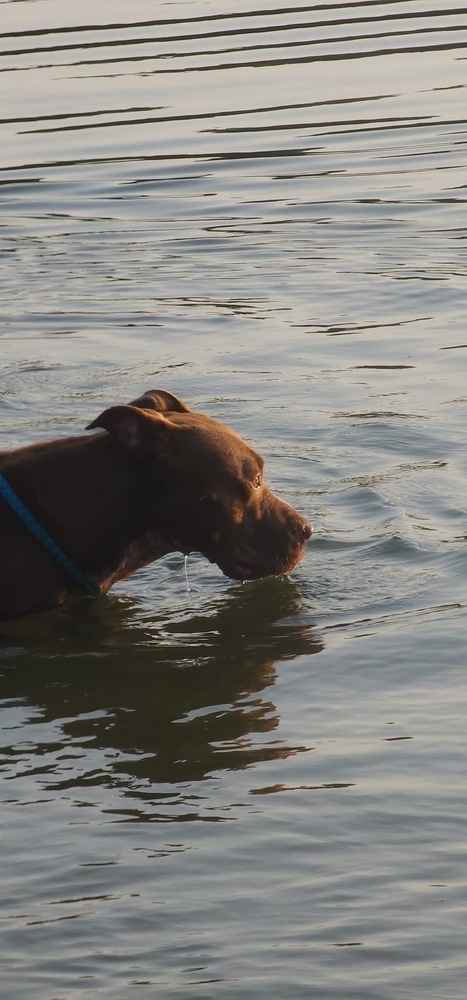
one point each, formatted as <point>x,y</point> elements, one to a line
<point>97,511</point>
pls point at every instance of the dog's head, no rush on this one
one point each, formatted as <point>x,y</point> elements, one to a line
<point>206,487</point>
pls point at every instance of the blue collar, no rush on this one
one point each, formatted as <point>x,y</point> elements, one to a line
<point>66,565</point>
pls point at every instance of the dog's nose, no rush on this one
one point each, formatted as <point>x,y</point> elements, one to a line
<point>307,529</point>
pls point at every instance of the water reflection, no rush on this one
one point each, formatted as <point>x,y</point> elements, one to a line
<point>138,705</point>
<point>235,35</point>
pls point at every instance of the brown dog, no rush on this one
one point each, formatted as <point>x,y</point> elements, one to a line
<point>160,479</point>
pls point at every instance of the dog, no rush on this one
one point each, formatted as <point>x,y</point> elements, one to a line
<point>80,513</point>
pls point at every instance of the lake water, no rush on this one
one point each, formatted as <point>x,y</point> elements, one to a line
<point>259,790</point>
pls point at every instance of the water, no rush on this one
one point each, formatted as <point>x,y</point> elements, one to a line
<point>244,790</point>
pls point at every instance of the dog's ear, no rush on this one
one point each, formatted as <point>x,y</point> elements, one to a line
<point>161,401</point>
<point>139,432</point>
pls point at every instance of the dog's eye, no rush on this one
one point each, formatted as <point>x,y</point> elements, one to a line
<point>256,482</point>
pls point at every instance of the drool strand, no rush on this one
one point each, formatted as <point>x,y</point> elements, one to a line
<point>186,576</point>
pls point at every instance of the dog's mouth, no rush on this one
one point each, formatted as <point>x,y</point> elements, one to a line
<point>244,570</point>
<point>246,562</point>
<point>255,569</point>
